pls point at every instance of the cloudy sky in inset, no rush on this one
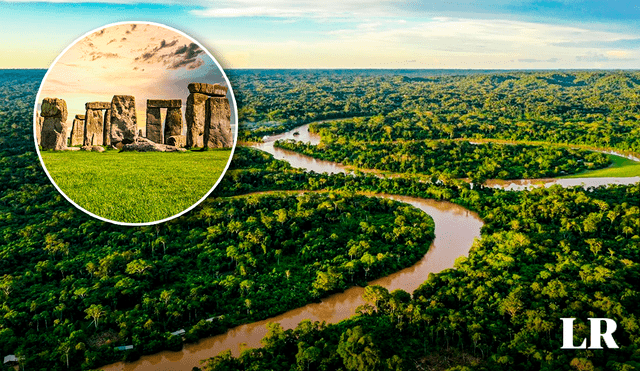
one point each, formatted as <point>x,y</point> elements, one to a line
<point>143,60</point>
<point>492,34</point>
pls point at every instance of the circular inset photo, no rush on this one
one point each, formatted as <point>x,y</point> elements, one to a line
<point>135,123</point>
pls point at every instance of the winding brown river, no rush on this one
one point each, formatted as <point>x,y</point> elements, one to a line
<point>305,162</point>
<point>455,230</point>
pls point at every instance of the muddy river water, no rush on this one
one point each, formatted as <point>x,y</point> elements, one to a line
<point>302,133</point>
<point>455,230</point>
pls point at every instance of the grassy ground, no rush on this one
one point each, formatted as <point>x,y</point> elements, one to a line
<point>133,187</point>
<point>621,167</point>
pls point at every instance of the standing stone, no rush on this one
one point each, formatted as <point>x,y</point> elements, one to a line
<point>39,121</point>
<point>54,127</point>
<point>195,115</point>
<point>93,128</point>
<point>106,131</point>
<point>77,131</point>
<point>54,107</point>
<point>154,125</point>
<point>124,127</point>
<point>217,124</point>
<point>173,123</point>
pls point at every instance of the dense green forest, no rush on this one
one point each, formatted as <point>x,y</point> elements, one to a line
<point>457,159</point>
<point>594,108</point>
<point>72,288</point>
<point>545,254</point>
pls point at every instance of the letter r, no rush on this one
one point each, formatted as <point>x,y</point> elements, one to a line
<point>597,335</point>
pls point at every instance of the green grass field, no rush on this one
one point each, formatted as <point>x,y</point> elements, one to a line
<point>133,187</point>
<point>621,167</point>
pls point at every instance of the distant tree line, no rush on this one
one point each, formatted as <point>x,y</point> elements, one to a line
<point>458,159</point>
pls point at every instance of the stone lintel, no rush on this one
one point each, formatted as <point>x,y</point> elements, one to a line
<point>80,117</point>
<point>97,105</point>
<point>164,103</point>
<point>212,90</point>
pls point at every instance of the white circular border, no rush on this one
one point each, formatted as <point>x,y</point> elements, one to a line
<point>235,137</point>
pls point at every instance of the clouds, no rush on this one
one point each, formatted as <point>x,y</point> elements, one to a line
<point>608,56</point>
<point>186,56</point>
<point>437,42</point>
<point>350,33</point>
<point>583,10</point>
<point>155,50</point>
<point>141,48</point>
<point>172,55</point>
<point>97,55</point>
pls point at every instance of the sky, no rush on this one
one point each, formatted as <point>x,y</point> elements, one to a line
<point>146,61</point>
<point>496,34</point>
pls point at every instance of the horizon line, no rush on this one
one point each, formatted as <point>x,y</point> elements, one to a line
<point>387,68</point>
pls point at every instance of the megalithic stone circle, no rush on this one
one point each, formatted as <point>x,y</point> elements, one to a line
<point>54,127</point>
<point>217,124</point>
<point>154,125</point>
<point>124,127</point>
<point>93,127</point>
<point>106,131</point>
<point>195,115</point>
<point>77,131</point>
<point>173,123</point>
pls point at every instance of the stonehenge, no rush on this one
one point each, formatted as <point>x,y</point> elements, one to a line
<point>207,116</point>
<point>54,127</point>
<point>77,130</point>
<point>196,112</point>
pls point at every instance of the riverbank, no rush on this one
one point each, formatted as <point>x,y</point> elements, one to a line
<point>620,167</point>
<point>456,228</point>
<point>336,307</point>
